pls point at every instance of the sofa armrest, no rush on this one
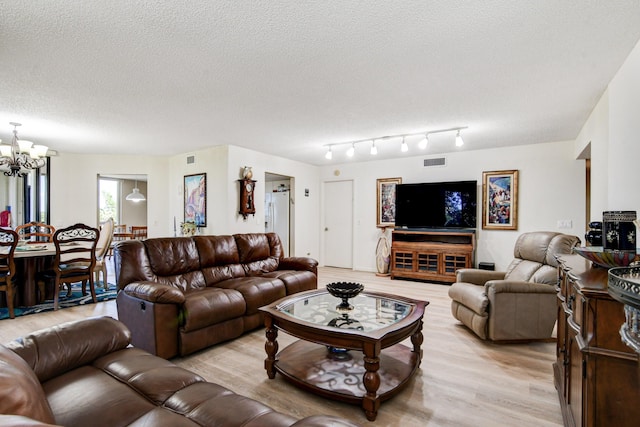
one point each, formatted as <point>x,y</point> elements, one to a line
<point>155,292</point>
<point>517,287</point>
<point>324,421</point>
<point>299,263</point>
<point>477,276</point>
<point>61,348</point>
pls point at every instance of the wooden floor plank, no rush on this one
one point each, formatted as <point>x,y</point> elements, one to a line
<point>463,381</point>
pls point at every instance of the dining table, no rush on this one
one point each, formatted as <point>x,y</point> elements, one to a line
<point>31,259</point>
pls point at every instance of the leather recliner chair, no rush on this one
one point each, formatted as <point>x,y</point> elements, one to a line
<point>519,304</point>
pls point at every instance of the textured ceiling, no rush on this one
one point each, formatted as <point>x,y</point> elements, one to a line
<point>287,77</point>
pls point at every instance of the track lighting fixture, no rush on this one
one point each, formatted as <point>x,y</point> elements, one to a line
<point>404,147</point>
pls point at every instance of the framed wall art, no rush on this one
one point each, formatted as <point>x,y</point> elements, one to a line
<point>386,201</point>
<point>195,199</point>
<point>500,200</point>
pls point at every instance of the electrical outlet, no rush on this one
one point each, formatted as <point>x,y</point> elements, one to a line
<point>565,224</point>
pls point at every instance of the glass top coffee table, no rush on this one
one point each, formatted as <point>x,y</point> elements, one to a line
<point>348,355</point>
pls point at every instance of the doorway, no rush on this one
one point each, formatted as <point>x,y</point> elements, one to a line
<point>112,203</point>
<point>338,224</point>
<point>278,215</point>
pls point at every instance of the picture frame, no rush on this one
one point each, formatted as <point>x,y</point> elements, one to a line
<point>195,199</point>
<point>500,200</point>
<point>386,201</point>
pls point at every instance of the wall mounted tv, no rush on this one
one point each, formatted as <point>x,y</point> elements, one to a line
<point>437,205</point>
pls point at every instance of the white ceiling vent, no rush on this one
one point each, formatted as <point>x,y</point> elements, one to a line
<point>439,161</point>
<point>191,160</point>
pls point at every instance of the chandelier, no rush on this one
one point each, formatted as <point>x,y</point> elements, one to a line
<point>21,156</point>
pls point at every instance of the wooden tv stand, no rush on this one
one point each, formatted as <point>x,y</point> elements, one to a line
<point>431,255</point>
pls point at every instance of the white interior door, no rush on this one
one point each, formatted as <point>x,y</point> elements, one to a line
<point>338,224</point>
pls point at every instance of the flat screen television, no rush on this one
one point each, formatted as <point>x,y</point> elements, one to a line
<point>437,205</point>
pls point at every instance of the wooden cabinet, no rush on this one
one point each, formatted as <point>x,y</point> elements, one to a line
<point>596,375</point>
<point>431,255</point>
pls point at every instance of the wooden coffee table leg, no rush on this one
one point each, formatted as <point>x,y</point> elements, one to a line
<point>271,346</point>
<point>416,340</point>
<point>371,380</point>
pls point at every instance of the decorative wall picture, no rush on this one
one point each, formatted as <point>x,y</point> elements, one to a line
<point>386,201</point>
<point>195,199</point>
<point>500,200</point>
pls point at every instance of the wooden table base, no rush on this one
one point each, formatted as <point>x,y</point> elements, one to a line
<point>340,376</point>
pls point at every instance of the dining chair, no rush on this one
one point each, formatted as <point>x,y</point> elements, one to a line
<point>119,234</point>
<point>8,243</point>
<point>102,247</point>
<point>36,232</point>
<point>139,232</point>
<point>74,261</point>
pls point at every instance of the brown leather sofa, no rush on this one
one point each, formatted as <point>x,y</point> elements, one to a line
<point>84,373</point>
<point>518,304</point>
<point>183,294</point>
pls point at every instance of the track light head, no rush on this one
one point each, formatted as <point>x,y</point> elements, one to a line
<point>329,154</point>
<point>374,149</point>
<point>459,141</point>
<point>404,147</point>
<point>424,142</point>
<point>352,150</point>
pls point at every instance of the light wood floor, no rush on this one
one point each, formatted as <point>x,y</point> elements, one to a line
<point>462,381</point>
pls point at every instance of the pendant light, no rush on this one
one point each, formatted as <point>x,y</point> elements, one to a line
<point>136,195</point>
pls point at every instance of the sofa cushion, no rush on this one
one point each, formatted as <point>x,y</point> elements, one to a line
<point>20,390</point>
<point>211,305</point>
<point>257,291</point>
<point>87,396</point>
<point>252,247</point>
<point>217,250</point>
<point>212,404</point>
<point>260,267</point>
<point>215,274</point>
<point>154,378</point>
<point>295,281</point>
<point>168,257</point>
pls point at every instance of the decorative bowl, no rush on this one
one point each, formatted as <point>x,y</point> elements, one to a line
<point>606,259</point>
<point>344,291</point>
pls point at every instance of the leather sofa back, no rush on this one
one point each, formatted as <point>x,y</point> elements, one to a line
<point>196,262</point>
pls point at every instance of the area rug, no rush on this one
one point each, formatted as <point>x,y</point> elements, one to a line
<point>76,298</point>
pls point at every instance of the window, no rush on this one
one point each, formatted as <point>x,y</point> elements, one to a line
<point>108,200</point>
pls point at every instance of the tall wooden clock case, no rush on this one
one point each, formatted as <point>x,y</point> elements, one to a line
<point>247,190</point>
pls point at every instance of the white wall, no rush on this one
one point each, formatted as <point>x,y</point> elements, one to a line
<point>551,188</point>
<point>305,239</point>
<point>213,162</point>
<point>613,130</point>
<point>594,136</point>
<point>223,166</point>
<point>74,188</point>
<point>624,135</point>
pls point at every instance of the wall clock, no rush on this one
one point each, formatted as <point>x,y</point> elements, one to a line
<point>247,188</point>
